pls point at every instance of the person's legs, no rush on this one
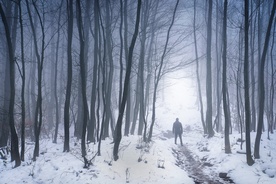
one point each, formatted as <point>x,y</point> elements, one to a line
<point>180,136</point>
<point>175,138</point>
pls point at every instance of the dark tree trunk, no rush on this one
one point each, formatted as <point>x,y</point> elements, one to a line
<point>224,81</point>
<point>118,129</point>
<point>250,161</point>
<point>55,79</point>
<point>66,146</point>
<point>261,85</point>
<point>159,70</point>
<point>83,83</point>
<point>95,73</point>
<point>40,60</point>
<point>14,138</point>
<point>5,131</point>
<point>23,85</point>
<point>197,73</point>
<point>252,48</point>
<point>209,72</point>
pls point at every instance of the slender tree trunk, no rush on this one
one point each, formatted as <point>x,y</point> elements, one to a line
<point>40,60</point>
<point>224,81</point>
<point>66,146</point>
<point>5,131</point>
<point>23,85</point>
<point>83,83</point>
<point>272,90</point>
<point>109,115</point>
<point>14,138</point>
<point>252,46</point>
<point>197,73</point>
<point>250,161</point>
<point>158,72</point>
<point>118,133</point>
<point>261,85</point>
<point>95,69</point>
<point>209,72</point>
<point>55,80</point>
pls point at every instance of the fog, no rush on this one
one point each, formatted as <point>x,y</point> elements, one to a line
<point>97,70</point>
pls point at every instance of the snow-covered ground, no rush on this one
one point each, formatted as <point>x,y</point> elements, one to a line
<point>142,163</point>
<point>148,163</point>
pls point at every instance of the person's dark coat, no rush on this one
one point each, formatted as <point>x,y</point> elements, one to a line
<point>177,128</point>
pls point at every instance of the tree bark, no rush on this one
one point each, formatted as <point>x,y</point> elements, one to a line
<point>66,146</point>
<point>118,129</point>
<point>83,83</point>
<point>197,73</point>
<point>23,85</point>
<point>224,81</point>
<point>250,161</point>
<point>14,138</point>
<point>158,73</point>
<point>261,85</point>
<point>209,72</point>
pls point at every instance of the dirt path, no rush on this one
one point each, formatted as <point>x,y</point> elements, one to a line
<point>194,167</point>
<point>186,161</point>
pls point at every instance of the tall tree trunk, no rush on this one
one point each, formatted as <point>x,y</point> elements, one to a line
<point>5,131</point>
<point>118,129</point>
<point>272,90</point>
<point>209,72</point>
<point>23,85</point>
<point>83,83</point>
<point>250,161</point>
<point>40,60</point>
<point>109,115</point>
<point>14,138</point>
<point>253,95</point>
<point>224,81</point>
<point>261,85</point>
<point>197,73</point>
<point>158,72</point>
<point>95,69</point>
<point>55,77</point>
<point>66,146</point>
<point>218,73</point>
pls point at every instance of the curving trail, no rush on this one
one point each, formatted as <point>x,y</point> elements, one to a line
<point>186,161</point>
<point>195,167</point>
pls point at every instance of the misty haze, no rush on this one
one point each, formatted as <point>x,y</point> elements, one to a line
<point>137,91</point>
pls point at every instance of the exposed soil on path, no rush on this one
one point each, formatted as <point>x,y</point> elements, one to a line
<point>195,168</point>
<point>186,161</point>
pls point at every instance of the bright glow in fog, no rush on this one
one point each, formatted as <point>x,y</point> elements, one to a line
<point>178,99</point>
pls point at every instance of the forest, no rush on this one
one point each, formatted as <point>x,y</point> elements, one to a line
<point>86,71</point>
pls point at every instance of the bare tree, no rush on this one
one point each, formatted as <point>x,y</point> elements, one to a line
<point>197,73</point>
<point>66,147</point>
<point>14,138</point>
<point>250,161</point>
<point>23,84</point>
<point>118,129</point>
<point>55,77</point>
<point>209,72</point>
<point>224,81</point>
<point>158,72</point>
<point>83,83</point>
<point>261,85</point>
<point>40,60</point>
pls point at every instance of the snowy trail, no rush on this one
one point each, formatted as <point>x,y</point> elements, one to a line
<point>186,161</point>
<point>194,167</point>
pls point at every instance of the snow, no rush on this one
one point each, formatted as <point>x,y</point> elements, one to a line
<point>148,163</point>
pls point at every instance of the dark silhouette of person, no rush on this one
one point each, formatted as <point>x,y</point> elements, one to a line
<point>177,130</point>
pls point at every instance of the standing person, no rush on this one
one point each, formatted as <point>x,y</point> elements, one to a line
<point>177,130</point>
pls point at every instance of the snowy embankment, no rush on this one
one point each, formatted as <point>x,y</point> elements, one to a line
<point>144,163</point>
<point>211,153</point>
<point>138,163</point>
